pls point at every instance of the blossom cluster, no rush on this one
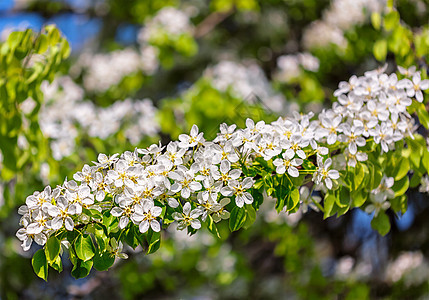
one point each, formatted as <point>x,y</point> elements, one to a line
<point>246,81</point>
<point>194,178</point>
<point>168,21</point>
<point>340,16</point>
<point>65,110</point>
<point>101,71</point>
<point>290,65</point>
<point>373,106</point>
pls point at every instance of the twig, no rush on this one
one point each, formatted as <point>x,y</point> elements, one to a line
<point>211,22</point>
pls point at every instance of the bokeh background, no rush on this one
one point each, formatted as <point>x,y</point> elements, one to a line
<point>143,71</point>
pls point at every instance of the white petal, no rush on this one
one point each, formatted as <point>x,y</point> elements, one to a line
<point>187,208</point>
<point>334,174</point>
<point>195,224</point>
<point>154,224</point>
<point>56,223</point>
<point>40,239</point>
<point>100,195</point>
<point>195,186</point>
<point>137,218</point>
<point>26,244</point>
<point>173,203</point>
<point>225,166</point>
<point>34,228</point>
<point>227,191</point>
<point>248,198</point>
<point>123,222</point>
<point>116,211</point>
<point>194,130</point>
<point>144,226</point>
<point>239,201</point>
<point>301,154</point>
<point>328,183</point>
<point>280,170</point>
<point>68,223</point>
<point>185,193</point>
<point>352,148</point>
<point>234,174</point>
<point>247,183</point>
<point>292,171</point>
<point>156,211</point>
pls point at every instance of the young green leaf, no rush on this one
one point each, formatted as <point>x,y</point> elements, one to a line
<point>292,199</point>
<point>153,240</point>
<point>380,50</point>
<point>57,264</point>
<point>401,186</point>
<point>81,268</point>
<point>328,205</point>
<point>237,218</point>
<point>103,261</point>
<point>40,264</point>
<point>211,226</point>
<point>250,216</point>
<point>359,176</point>
<point>402,168</point>
<point>52,248</point>
<point>84,247</point>
<point>381,223</point>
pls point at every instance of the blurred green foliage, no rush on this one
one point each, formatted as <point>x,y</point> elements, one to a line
<point>26,59</point>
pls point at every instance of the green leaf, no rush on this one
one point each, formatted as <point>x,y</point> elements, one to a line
<point>399,204</point>
<point>107,219</point>
<point>52,248</point>
<point>110,222</point>
<point>401,186</point>
<point>53,34</point>
<point>153,240</point>
<point>359,175</point>
<point>40,264</point>
<point>99,232</point>
<point>425,160</point>
<point>93,213</point>
<point>415,180</point>
<point>131,236</point>
<point>391,20</point>
<point>292,199</point>
<point>41,44</point>
<point>57,264</point>
<point>280,203</point>
<point>258,198</point>
<point>65,49</point>
<point>211,226</point>
<point>380,50</point>
<point>359,198</point>
<point>416,151</point>
<point>81,268</point>
<point>271,191</point>
<point>376,20</point>
<point>343,199</point>
<point>328,204</point>
<point>401,169</point>
<point>103,261</point>
<point>381,223</point>
<point>258,184</point>
<point>250,216</point>
<point>84,247</point>
<point>376,176</point>
<point>423,115</point>
<point>237,218</point>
